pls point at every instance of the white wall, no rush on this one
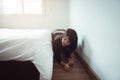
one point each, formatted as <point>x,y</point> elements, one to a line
<point>55,16</point>
<point>99,22</point>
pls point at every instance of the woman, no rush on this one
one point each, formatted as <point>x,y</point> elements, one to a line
<point>64,44</point>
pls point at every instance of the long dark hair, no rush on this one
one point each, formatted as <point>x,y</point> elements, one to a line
<point>72,35</point>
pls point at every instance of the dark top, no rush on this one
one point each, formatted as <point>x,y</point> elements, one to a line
<point>60,53</point>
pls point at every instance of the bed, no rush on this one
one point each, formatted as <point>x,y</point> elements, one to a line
<point>28,45</point>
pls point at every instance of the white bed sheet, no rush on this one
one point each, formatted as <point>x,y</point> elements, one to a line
<point>23,45</point>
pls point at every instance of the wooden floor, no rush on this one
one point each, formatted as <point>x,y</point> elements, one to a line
<point>77,72</point>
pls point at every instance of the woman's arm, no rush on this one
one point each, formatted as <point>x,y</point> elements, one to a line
<point>58,58</point>
<point>58,31</point>
<point>68,52</point>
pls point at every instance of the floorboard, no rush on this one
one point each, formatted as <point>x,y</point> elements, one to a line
<point>77,72</point>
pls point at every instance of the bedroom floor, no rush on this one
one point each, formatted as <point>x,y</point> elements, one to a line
<point>77,72</point>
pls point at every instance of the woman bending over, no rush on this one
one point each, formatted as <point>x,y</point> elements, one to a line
<point>64,44</point>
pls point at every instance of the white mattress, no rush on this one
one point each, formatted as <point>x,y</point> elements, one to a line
<point>23,45</point>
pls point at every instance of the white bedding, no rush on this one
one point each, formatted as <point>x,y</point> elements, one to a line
<point>23,45</point>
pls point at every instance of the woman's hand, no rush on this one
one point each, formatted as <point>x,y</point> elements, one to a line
<point>62,63</point>
<point>70,61</point>
<point>66,67</point>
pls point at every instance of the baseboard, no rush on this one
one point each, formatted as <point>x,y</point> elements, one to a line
<point>87,68</point>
